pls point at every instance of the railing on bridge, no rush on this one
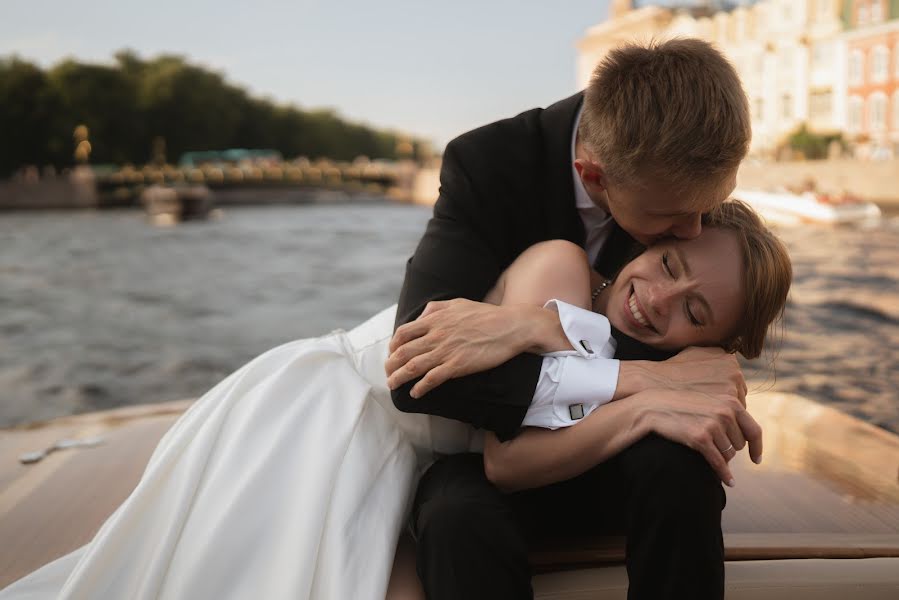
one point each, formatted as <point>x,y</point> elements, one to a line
<point>265,182</point>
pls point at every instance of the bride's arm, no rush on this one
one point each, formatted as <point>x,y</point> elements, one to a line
<point>703,422</point>
<point>555,269</point>
<point>539,457</point>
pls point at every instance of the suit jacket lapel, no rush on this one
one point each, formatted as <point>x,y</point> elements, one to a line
<point>562,217</point>
<point>557,123</point>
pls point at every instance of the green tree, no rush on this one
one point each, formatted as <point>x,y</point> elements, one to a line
<point>29,109</point>
<point>105,99</point>
<point>192,108</point>
<point>813,146</point>
<point>133,104</point>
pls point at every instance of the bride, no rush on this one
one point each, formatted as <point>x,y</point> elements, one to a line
<point>292,477</point>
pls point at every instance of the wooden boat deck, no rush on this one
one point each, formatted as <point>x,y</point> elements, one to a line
<point>828,488</point>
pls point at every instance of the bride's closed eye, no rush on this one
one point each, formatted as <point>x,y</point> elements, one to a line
<point>666,266</point>
<point>690,316</point>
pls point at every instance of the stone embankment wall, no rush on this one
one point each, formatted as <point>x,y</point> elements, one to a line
<point>877,181</point>
<point>73,191</point>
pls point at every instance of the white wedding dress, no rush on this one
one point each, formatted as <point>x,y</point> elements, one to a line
<point>290,479</point>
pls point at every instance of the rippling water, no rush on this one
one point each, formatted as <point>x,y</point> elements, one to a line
<point>841,333</point>
<point>100,309</point>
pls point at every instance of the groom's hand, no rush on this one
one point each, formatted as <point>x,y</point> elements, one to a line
<point>703,370</point>
<point>459,337</point>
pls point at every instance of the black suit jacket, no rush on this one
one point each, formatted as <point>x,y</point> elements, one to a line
<point>503,188</point>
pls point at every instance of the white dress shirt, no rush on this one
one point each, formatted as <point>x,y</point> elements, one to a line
<point>573,383</point>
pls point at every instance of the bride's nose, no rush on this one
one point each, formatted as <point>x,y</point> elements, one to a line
<point>660,297</point>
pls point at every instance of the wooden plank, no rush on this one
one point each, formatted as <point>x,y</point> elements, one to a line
<point>827,488</point>
<point>52,507</point>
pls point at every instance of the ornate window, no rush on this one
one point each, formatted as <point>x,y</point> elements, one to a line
<point>880,60</point>
<point>876,11</point>
<point>856,111</point>
<point>820,104</point>
<point>877,111</point>
<point>785,56</point>
<point>787,11</point>
<point>821,53</point>
<point>856,67</point>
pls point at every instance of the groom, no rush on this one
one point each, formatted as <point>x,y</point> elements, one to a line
<point>653,142</point>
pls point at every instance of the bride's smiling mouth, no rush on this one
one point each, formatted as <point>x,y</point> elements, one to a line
<point>635,314</point>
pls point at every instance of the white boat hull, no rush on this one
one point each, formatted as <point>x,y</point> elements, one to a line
<point>785,208</point>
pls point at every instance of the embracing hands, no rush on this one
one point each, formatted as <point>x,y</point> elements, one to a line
<point>696,398</point>
<point>716,426</point>
<point>699,369</point>
<point>459,337</point>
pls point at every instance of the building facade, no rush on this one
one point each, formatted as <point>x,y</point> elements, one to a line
<point>792,56</point>
<point>872,45</point>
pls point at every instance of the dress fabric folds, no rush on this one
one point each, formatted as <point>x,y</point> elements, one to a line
<point>292,478</point>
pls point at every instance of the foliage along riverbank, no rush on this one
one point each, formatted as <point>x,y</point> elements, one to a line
<point>139,111</point>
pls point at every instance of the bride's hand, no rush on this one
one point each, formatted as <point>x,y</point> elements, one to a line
<point>459,337</point>
<point>716,426</point>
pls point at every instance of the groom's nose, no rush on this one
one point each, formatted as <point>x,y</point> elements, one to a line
<point>687,227</point>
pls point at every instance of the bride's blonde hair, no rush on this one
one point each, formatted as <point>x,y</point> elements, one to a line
<point>767,274</point>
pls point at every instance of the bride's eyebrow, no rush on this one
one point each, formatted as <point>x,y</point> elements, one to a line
<point>682,258</point>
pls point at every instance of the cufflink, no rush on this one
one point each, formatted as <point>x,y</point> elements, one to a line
<point>576,411</point>
<point>586,345</point>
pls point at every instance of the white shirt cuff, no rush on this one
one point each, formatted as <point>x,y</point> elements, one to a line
<point>584,386</point>
<point>572,384</point>
<point>588,332</point>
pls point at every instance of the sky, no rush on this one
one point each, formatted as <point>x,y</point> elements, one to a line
<point>430,68</point>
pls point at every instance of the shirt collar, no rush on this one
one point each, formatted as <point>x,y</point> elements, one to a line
<point>581,197</point>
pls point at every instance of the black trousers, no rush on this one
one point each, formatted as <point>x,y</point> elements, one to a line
<point>473,540</point>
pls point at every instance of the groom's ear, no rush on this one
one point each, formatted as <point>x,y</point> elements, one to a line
<point>590,172</point>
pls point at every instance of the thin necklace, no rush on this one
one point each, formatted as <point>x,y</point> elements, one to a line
<point>598,289</point>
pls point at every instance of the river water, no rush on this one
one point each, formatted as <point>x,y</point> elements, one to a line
<point>100,309</point>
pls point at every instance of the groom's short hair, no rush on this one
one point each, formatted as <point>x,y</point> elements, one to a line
<point>673,112</point>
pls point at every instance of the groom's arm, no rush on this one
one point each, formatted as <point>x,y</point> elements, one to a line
<point>465,248</point>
